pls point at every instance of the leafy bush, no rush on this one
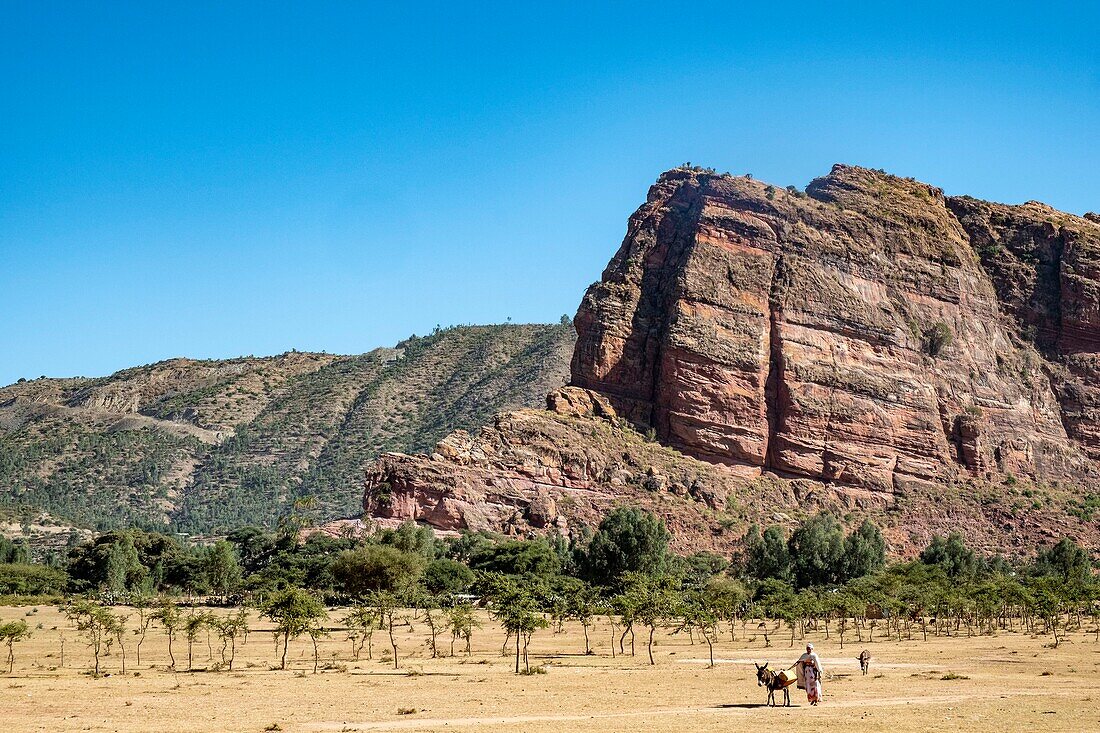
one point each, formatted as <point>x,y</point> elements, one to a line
<point>937,337</point>
<point>31,580</point>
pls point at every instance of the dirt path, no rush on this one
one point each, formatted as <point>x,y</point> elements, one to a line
<point>735,710</point>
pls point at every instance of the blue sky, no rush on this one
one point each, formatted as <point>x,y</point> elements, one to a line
<point>216,179</point>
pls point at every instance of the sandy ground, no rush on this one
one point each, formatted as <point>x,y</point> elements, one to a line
<point>1007,682</point>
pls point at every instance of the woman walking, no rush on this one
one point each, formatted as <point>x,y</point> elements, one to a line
<point>810,664</point>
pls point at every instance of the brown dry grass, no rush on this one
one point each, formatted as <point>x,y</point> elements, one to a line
<point>1008,682</point>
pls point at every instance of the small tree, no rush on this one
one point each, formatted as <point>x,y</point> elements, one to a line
<point>168,615</point>
<point>654,601</point>
<point>387,605</point>
<point>516,610</point>
<point>436,621</point>
<point>118,633</point>
<point>581,606</point>
<point>463,622</point>
<point>192,626</point>
<point>95,623</point>
<point>141,603</point>
<point>294,612</point>
<point>699,615</point>
<point>11,632</point>
<point>316,633</point>
<point>229,629</point>
<point>362,621</point>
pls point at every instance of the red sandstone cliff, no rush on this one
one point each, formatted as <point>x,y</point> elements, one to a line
<point>868,337</point>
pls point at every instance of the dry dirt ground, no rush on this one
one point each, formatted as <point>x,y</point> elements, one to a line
<point>1008,682</point>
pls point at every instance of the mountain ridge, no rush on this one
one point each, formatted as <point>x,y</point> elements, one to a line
<point>204,445</point>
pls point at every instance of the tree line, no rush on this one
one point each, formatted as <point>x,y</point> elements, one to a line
<point>816,578</point>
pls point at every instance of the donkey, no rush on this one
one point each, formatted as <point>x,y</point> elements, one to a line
<point>767,678</point>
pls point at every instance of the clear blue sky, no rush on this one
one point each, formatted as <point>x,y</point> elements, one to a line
<point>216,179</point>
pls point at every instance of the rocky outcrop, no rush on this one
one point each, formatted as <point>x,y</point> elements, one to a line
<point>1045,266</point>
<point>543,472</point>
<point>848,334</point>
<point>867,345</point>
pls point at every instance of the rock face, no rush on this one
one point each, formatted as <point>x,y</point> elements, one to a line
<point>534,471</point>
<point>853,334</point>
<point>869,345</point>
<point>1045,266</point>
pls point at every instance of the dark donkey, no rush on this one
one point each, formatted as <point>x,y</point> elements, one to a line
<point>773,681</point>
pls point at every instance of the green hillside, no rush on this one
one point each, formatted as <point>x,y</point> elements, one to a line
<point>201,446</point>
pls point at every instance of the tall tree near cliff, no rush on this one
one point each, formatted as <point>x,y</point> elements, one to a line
<point>767,555</point>
<point>864,551</point>
<point>951,554</point>
<point>1066,560</point>
<point>629,540</point>
<point>817,551</point>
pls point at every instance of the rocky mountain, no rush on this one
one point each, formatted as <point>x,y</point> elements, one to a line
<point>868,345</point>
<point>202,446</point>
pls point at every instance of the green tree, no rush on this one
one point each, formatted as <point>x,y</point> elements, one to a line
<point>124,570</point>
<point>412,538</point>
<point>1066,560</point>
<point>518,557</point>
<point>766,555</point>
<point>374,568</point>
<point>96,624</point>
<point>445,577</point>
<point>193,625</point>
<point>628,540</point>
<point>388,605</point>
<point>229,629</point>
<point>220,567</point>
<point>294,612</point>
<point>14,552</point>
<point>864,551</point>
<point>31,580</point>
<point>515,608</point>
<point>951,554</point>
<point>777,601</point>
<point>168,615</point>
<point>581,604</point>
<point>727,598</point>
<point>652,599</point>
<point>362,621</point>
<point>817,551</point>
<point>10,633</point>
<point>698,614</point>
<point>463,622</point>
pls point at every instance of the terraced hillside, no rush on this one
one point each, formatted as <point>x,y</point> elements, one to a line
<point>207,445</point>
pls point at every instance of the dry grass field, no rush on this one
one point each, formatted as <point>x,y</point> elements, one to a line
<point>1008,682</point>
